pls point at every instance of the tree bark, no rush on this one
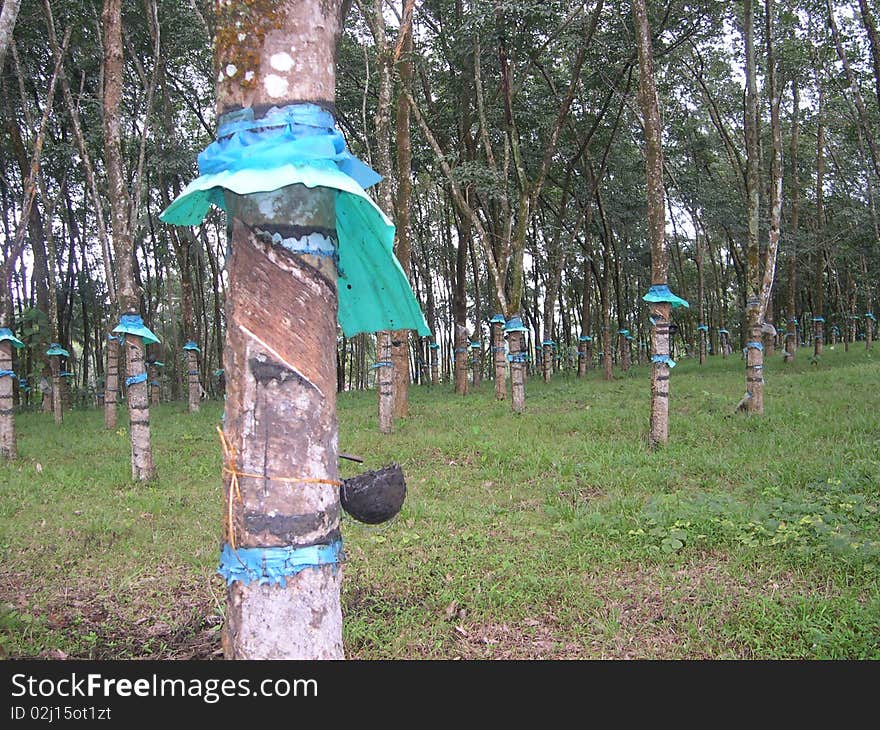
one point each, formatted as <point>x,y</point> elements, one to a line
<point>753,402</point>
<point>660,311</point>
<point>281,381</point>
<point>142,467</point>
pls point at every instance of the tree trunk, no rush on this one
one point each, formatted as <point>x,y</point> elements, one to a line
<point>111,382</point>
<point>142,467</point>
<point>753,402</point>
<point>385,381</point>
<point>660,311</point>
<point>192,375</point>
<point>516,342</point>
<point>819,292</point>
<point>791,331</point>
<point>280,419</point>
<point>7,412</point>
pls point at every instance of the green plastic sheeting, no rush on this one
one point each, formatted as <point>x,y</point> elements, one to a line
<point>374,293</point>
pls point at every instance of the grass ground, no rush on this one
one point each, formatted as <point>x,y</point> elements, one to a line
<point>553,534</point>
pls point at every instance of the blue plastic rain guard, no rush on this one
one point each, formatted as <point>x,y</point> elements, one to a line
<point>515,324</point>
<point>6,334</point>
<point>818,319</point>
<point>159,364</point>
<point>623,332</point>
<point>585,338</point>
<point>475,345</point>
<point>868,315</point>
<point>274,565</point>
<point>723,331</point>
<point>548,343</point>
<point>65,374</point>
<point>497,319</point>
<point>703,327</point>
<point>661,293</point>
<point>56,349</point>
<point>218,372</point>
<point>434,346</point>
<point>299,144</point>
<point>132,324</point>
<point>190,345</point>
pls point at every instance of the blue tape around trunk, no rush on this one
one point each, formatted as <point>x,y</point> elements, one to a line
<point>661,359</point>
<point>703,327</point>
<point>269,566</point>
<point>7,373</point>
<point>818,319</point>
<point>517,357</point>
<point>383,364</point>
<point>140,378</point>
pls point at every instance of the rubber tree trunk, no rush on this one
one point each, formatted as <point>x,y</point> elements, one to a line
<point>281,380</point>
<point>7,413</point>
<point>192,376</point>
<point>623,344</point>
<point>435,366</point>
<point>155,388</point>
<point>547,362</point>
<point>57,407</point>
<point>660,311</point>
<point>142,467</point>
<point>819,294</point>
<point>385,381</point>
<point>111,382</point>
<point>515,342</point>
<point>499,360</point>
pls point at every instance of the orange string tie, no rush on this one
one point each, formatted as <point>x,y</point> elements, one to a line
<point>231,468</point>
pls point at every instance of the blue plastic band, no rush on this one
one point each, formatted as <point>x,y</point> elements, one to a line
<point>192,372</point>
<point>663,359</point>
<point>65,374</point>
<point>292,135</point>
<point>754,346</point>
<point>870,315</point>
<point>818,319</point>
<point>629,338</point>
<point>269,566</point>
<point>383,364</point>
<point>585,338</point>
<point>460,349</point>
<point>434,346</point>
<point>517,357</point>
<point>159,363</point>
<point>661,293</point>
<point>548,343</point>
<point>219,372</point>
<point>190,345</point>
<point>155,382</point>
<point>475,345</point>
<point>5,373</point>
<point>141,378</point>
<point>703,327</point>
<point>623,332</point>
<point>499,348</point>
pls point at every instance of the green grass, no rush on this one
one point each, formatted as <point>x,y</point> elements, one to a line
<point>555,534</point>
